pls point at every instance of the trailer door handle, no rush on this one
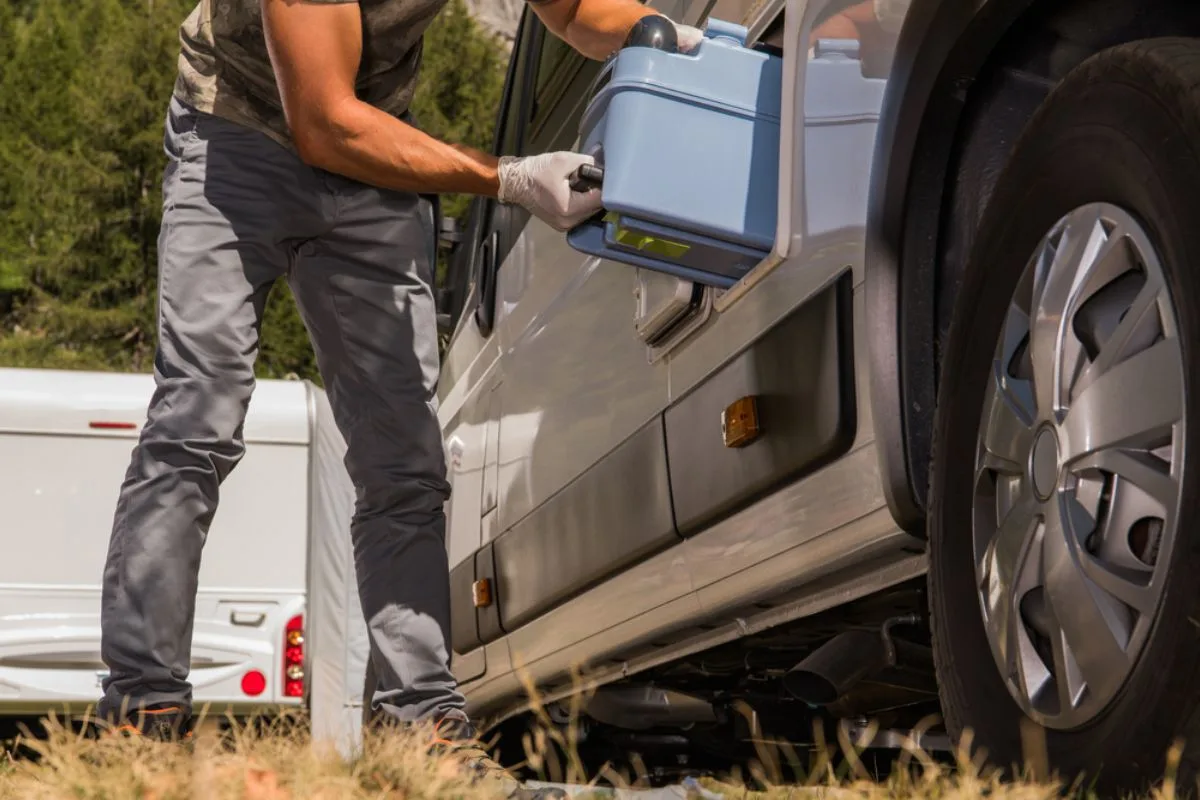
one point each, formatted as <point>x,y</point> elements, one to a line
<point>248,619</point>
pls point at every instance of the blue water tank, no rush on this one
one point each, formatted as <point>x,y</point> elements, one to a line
<point>689,144</point>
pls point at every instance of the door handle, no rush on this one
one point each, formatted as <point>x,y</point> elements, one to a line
<point>485,311</point>
<point>248,619</point>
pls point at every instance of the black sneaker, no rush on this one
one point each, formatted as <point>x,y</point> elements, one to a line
<point>165,723</point>
<point>457,737</point>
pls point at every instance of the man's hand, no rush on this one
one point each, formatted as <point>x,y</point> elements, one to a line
<point>597,28</point>
<point>541,184</point>
<point>689,37</point>
<point>315,49</point>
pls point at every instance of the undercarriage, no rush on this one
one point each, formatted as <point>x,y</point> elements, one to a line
<point>770,706</point>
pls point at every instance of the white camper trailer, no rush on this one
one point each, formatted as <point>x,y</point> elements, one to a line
<point>65,442</point>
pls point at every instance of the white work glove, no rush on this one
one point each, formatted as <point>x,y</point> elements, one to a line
<point>689,37</point>
<point>541,184</point>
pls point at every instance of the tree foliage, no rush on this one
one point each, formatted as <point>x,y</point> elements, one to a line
<point>84,86</point>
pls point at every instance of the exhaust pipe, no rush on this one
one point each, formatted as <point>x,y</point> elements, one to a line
<point>832,670</point>
<point>835,667</point>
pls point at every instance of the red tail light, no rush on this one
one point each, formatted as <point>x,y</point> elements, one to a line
<point>254,683</point>
<point>293,657</point>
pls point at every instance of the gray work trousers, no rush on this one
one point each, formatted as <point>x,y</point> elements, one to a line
<point>239,212</point>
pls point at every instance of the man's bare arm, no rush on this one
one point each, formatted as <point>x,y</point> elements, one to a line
<point>315,50</point>
<point>595,28</point>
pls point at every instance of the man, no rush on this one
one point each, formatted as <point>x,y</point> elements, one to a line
<point>290,157</point>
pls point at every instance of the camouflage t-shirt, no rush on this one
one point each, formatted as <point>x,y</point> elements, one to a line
<point>225,70</point>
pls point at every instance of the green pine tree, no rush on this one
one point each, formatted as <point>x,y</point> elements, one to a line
<point>462,79</point>
<point>84,86</point>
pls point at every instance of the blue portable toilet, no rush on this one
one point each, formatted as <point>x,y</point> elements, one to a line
<point>688,150</point>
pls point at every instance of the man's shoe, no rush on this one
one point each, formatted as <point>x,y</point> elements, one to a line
<point>459,739</point>
<point>166,723</point>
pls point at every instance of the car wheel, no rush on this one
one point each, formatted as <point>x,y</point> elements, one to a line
<point>1063,506</point>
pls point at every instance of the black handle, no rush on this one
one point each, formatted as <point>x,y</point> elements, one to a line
<point>586,178</point>
<point>654,31</point>
<point>485,310</point>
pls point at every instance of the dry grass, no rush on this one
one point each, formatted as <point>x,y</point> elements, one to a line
<point>276,765</point>
<point>247,765</point>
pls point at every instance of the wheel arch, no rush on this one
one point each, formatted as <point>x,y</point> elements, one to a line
<point>967,77</point>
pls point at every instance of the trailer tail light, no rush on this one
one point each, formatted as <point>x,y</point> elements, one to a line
<point>293,657</point>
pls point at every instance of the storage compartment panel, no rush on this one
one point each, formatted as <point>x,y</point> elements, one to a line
<point>800,374</point>
<point>488,617</point>
<point>464,633</point>
<point>614,515</point>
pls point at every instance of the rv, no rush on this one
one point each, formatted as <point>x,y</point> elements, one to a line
<point>919,453</point>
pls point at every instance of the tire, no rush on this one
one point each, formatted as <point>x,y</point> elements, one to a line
<point>1122,129</point>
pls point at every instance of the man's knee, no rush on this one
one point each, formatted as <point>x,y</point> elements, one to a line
<point>404,497</point>
<point>396,459</point>
<point>197,422</point>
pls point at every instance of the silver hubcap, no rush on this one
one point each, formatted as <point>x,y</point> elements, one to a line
<point>1078,467</point>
